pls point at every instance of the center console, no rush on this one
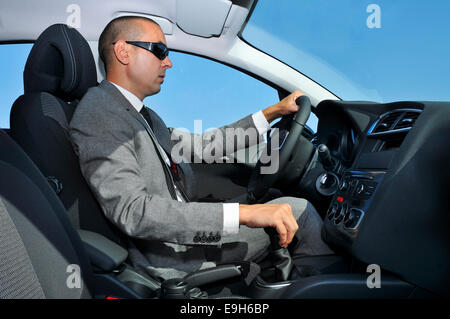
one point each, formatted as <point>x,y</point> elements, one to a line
<point>385,197</point>
<point>350,203</point>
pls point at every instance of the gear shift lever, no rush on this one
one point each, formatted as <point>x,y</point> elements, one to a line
<point>325,157</point>
<point>281,259</point>
<point>327,182</point>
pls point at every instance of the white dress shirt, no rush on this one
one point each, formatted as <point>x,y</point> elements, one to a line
<point>230,210</point>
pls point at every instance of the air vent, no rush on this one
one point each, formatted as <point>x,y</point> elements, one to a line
<point>407,120</point>
<point>387,122</point>
<point>395,121</point>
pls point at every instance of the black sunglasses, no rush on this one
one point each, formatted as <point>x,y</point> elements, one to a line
<point>157,48</point>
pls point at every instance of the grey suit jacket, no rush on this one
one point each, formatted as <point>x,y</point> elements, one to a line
<point>119,160</point>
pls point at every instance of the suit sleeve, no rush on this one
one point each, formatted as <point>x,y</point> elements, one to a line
<point>216,143</point>
<point>105,146</point>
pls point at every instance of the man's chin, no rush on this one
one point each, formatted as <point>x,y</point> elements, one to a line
<point>155,90</point>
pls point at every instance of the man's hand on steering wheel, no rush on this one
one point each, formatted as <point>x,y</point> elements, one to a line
<point>284,107</point>
<point>288,134</point>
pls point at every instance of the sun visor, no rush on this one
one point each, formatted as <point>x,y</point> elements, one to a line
<point>166,25</point>
<point>204,18</point>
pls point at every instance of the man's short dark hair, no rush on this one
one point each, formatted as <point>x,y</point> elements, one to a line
<point>121,28</point>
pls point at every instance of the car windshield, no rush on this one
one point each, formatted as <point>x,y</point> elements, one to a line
<point>380,50</point>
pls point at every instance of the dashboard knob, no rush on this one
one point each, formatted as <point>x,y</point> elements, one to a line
<point>360,189</point>
<point>343,186</point>
<point>327,183</point>
<point>323,179</point>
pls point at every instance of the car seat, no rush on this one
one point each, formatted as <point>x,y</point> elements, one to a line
<point>58,72</point>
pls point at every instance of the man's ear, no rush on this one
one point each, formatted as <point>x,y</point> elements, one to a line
<point>121,52</point>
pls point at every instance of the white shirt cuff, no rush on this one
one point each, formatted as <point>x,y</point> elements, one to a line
<point>230,218</point>
<point>260,122</point>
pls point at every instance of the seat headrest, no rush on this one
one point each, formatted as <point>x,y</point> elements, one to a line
<point>60,63</point>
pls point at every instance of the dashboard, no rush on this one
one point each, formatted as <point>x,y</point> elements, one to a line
<point>362,153</point>
<point>389,205</point>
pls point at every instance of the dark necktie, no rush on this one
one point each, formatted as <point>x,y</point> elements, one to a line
<point>173,178</point>
<point>146,116</point>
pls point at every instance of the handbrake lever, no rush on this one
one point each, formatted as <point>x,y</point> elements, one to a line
<point>180,288</point>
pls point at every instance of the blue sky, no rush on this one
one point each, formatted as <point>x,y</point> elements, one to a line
<point>12,63</point>
<point>407,58</point>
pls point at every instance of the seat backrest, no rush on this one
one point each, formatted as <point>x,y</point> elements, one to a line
<point>58,72</point>
<point>41,254</point>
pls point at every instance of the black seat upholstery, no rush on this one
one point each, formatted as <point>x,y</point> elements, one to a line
<point>39,248</point>
<point>58,72</point>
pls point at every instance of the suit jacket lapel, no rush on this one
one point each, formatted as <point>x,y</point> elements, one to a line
<point>123,101</point>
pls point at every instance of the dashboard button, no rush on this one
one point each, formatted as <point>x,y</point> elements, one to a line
<point>340,213</point>
<point>354,219</point>
<point>332,211</point>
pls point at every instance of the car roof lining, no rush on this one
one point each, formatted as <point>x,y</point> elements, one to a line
<point>210,15</point>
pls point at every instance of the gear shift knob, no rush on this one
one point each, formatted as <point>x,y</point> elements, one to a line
<point>325,157</point>
<point>281,259</point>
<point>274,238</point>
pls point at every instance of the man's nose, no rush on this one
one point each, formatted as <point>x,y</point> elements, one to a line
<point>166,63</point>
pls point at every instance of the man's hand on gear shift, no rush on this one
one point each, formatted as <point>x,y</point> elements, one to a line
<point>278,216</point>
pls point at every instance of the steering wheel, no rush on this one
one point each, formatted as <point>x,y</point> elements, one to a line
<point>266,171</point>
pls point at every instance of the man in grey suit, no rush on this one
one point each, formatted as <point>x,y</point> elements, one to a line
<point>128,167</point>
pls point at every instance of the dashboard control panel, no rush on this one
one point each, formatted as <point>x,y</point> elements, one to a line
<point>350,203</point>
